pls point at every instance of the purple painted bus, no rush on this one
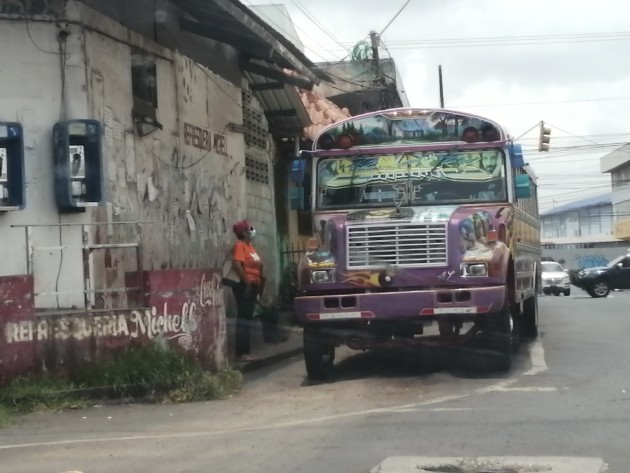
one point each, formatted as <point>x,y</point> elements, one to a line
<point>426,226</point>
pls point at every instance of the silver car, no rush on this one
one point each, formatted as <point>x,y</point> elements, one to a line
<point>555,279</point>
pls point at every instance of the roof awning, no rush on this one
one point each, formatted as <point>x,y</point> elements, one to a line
<point>281,101</point>
<point>265,53</point>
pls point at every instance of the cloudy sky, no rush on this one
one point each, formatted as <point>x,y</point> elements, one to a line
<point>566,62</point>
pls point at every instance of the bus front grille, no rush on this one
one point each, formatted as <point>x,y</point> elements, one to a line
<point>411,244</point>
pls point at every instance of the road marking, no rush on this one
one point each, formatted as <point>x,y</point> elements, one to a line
<point>280,425</point>
<point>538,366</point>
<point>537,358</point>
<point>527,389</point>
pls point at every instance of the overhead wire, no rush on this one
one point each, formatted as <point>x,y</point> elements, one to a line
<point>315,21</point>
<point>280,29</point>
<point>395,16</point>
<point>522,40</point>
<point>548,102</point>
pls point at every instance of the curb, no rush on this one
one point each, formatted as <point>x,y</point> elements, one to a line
<point>263,363</point>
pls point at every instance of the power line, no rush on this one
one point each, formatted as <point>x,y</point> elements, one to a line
<point>395,16</point>
<point>315,21</point>
<point>550,102</point>
<point>509,40</point>
<point>279,29</point>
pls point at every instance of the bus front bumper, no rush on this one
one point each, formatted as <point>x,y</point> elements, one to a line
<point>402,306</point>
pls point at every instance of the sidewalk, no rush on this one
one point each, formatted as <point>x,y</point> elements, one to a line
<point>266,353</point>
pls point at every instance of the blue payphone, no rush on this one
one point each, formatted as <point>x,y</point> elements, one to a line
<point>78,164</point>
<point>12,183</point>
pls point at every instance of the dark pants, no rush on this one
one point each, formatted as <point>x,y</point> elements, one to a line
<point>245,306</point>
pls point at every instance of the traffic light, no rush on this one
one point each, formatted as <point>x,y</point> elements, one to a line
<point>543,141</point>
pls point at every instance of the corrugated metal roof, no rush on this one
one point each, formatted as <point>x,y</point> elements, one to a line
<point>595,201</point>
<point>277,100</point>
<point>241,24</point>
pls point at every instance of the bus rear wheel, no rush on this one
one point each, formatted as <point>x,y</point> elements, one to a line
<point>502,333</point>
<point>529,318</point>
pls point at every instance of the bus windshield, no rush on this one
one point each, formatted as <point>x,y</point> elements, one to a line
<point>417,178</point>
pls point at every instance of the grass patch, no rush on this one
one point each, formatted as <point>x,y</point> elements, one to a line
<point>164,374</point>
<point>40,393</point>
<point>5,416</point>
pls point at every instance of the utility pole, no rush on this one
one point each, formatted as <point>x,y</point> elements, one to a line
<point>375,56</point>
<point>441,86</point>
<point>379,76</point>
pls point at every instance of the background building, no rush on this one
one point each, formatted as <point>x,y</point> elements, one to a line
<point>581,233</point>
<point>617,164</point>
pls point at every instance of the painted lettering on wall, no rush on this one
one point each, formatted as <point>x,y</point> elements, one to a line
<point>205,140</point>
<point>180,325</point>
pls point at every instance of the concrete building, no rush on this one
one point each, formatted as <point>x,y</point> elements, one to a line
<point>617,163</point>
<point>580,233</point>
<point>366,82</point>
<point>192,98</point>
<point>361,88</point>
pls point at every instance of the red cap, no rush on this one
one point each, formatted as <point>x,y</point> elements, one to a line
<point>241,228</point>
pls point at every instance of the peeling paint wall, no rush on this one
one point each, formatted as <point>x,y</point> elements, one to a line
<point>261,209</point>
<point>31,94</point>
<point>185,183</point>
<point>184,311</point>
<point>189,195</point>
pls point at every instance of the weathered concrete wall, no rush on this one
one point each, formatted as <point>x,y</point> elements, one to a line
<point>190,191</point>
<point>187,182</point>
<point>261,206</point>
<point>185,310</point>
<point>32,82</point>
<point>16,308</point>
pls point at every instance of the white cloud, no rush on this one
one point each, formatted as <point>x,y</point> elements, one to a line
<point>561,71</point>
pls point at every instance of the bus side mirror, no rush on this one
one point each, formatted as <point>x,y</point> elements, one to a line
<point>297,173</point>
<point>78,164</point>
<point>516,156</point>
<point>12,182</point>
<point>523,186</point>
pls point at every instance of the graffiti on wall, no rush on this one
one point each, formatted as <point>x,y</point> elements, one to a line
<point>153,323</point>
<point>591,261</point>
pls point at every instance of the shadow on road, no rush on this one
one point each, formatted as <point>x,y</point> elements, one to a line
<point>466,362</point>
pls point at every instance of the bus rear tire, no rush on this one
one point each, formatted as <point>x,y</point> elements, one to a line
<point>319,353</point>
<point>529,318</point>
<point>502,338</point>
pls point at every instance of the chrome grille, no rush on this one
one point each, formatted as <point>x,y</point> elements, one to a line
<point>372,245</point>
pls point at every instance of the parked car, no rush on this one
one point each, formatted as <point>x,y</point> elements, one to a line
<point>598,282</point>
<point>555,279</point>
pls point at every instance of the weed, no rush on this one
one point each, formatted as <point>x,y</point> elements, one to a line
<point>169,375</point>
<point>5,416</point>
<point>41,393</point>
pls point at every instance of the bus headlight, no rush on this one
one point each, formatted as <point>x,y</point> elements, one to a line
<point>322,276</point>
<point>475,270</point>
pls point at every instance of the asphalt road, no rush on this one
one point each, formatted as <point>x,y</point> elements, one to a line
<point>567,395</point>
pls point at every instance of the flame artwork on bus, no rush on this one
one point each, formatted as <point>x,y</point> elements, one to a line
<point>422,218</point>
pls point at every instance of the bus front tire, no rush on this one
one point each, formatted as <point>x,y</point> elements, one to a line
<point>319,353</point>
